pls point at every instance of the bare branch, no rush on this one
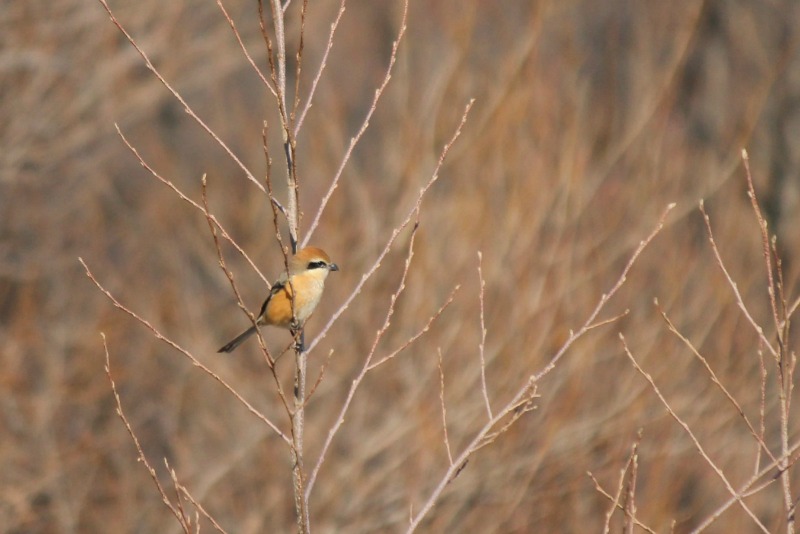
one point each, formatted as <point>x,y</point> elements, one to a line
<point>202,510</point>
<point>187,354</point>
<point>366,366</point>
<point>523,398</point>
<point>615,501</point>
<point>179,98</point>
<point>321,374</point>
<point>616,504</point>
<point>364,125</point>
<point>630,497</point>
<point>779,316</point>
<point>734,287</point>
<point>589,324</point>
<point>321,69</point>
<point>692,436</point>
<point>747,488</point>
<point>714,379</point>
<point>414,209</point>
<point>482,344</point>
<point>244,50</point>
<point>191,202</point>
<point>444,408</point>
<point>407,343</point>
<point>762,405</point>
<point>142,458</point>
<point>299,67</point>
<point>482,438</point>
<point>220,258</point>
<point>762,225</point>
<point>280,39</point>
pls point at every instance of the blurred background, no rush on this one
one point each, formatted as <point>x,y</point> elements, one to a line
<point>590,118</point>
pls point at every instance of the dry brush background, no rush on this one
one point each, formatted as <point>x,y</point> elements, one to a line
<point>590,118</point>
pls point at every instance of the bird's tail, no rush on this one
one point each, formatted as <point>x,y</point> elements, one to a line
<point>235,342</point>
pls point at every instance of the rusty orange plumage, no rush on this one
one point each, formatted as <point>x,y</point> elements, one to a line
<point>293,298</point>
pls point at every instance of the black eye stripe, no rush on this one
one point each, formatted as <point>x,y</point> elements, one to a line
<point>316,264</point>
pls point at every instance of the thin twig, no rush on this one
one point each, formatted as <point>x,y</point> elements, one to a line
<point>201,509</point>
<point>479,440</point>
<point>142,457</point>
<point>616,504</point>
<point>610,320</point>
<point>482,344</point>
<point>187,354</point>
<point>630,497</point>
<point>611,498</point>
<point>194,204</point>
<point>408,342</point>
<point>299,67</point>
<point>244,50</point>
<point>444,408</point>
<point>178,97</point>
<point>714,378</point>
<point>747,488</point>
<point>525,394</point>
<point>321,69</point>
<point>790,311</point>
<point>617,501</point>
<point>590,322</point>
<point>522,407</point>
<point>364,125</point>
<point>762,405</point>
<point>185,520</point>
<point>221,260</point>
<point>321,374</point>
<point>734,287</point>
<point>396,232</point>
<point>366,366</point>
<point>274,204</point>
<point>762,225</point>
<point>691,435</point>
<point>785,367</point>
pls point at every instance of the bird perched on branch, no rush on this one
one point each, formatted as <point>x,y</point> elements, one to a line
<point>292,299</point>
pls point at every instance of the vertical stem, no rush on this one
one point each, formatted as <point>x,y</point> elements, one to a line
<point>298,427</point>
<point>280,40</point>
<point>298,414</point>
<point>288,142</point>
<point>291,176</point>
<point>783,392</point>
<point>786,360</point>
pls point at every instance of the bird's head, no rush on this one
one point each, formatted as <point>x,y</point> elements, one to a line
<point>312,259</point>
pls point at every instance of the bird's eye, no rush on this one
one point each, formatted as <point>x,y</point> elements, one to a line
<point>316,264</point>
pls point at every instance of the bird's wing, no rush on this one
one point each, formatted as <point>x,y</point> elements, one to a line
<point>276,288</point>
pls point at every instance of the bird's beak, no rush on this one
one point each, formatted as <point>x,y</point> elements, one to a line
<point>333,267</point>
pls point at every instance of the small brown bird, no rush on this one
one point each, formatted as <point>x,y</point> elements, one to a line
<point>292,300</point>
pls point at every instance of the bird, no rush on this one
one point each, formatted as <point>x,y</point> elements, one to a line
<point>292,298</point>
